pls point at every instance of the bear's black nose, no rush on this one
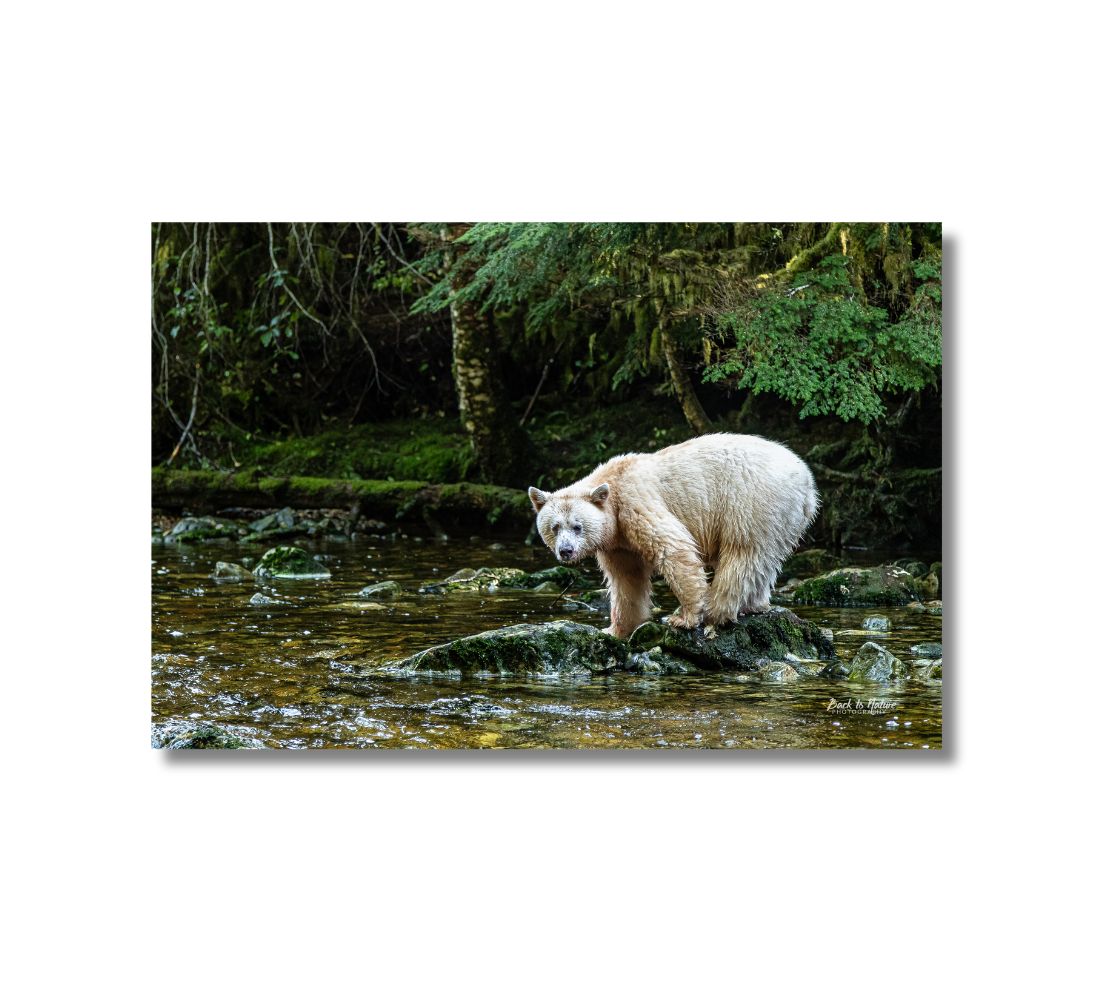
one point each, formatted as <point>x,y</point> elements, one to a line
<point>566,552</point>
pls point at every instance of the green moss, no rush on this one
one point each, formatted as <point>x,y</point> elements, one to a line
<point>289,562</point>
<point>433,450</point>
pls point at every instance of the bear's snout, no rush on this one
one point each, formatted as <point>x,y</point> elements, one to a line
<point>566,552</point>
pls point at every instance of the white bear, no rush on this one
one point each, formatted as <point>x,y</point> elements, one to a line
<point>734,503</point>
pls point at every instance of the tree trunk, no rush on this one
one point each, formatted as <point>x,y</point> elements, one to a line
<point>682,385</point>
<point>499,444</point>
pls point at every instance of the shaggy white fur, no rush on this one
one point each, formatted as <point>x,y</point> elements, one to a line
<point>733,503</point>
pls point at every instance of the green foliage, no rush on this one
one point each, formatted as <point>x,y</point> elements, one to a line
<point>274,327</point>
<point>599,296</point>
<point>825,347</point>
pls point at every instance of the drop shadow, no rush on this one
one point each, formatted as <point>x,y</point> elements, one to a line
<point>946,756</point>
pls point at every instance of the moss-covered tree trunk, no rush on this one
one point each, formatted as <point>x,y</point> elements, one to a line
<point>499,444</point>
<point>690,403</point>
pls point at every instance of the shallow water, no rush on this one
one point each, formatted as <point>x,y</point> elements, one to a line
<point>285,673</point>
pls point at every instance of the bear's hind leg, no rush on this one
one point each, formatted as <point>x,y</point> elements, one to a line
<point>731,583</point>
<point>760,582</point>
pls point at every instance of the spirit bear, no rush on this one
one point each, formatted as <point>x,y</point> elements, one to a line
<point>734,503</point>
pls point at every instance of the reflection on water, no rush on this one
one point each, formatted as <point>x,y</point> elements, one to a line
<point>277,672</point>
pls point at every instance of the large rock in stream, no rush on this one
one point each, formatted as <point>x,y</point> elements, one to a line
<point>289,562</point>
<point>569,648</point>
<point>860,587</point>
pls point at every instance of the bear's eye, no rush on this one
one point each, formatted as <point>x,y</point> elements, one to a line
<point>575,528</point>
<point>556,527</point>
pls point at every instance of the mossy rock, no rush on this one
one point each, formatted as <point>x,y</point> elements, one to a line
<point>568,648</point>
<point>809,562</point>
<point>548,648</point>
<point>289,562</point>
<point>190,530</point>
<point>387,590</point>
<point>929,586</point>
<point>775,635</point>
<point>199,736</point>
<point>926,649</point>
<point>875,663</point>
<point>853,587</point>
<point>915,567</point>
<point>486,580</point>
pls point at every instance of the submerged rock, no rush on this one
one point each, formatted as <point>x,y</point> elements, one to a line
<point>874,663</point>
<point>926,649</point>
<point>199,736</point>
<point>289,562</point>
<point>777,671</point>
<point>877,623</point>
<point>854,587</point>
<point>927,670</point>
<point>387,590</point>
<point>201,529</point>
<point>589,600</point>
<point>929,607</point>
<point>230,571</point>
<point>361,607</point>
<point>486,580</point>
<point>259,600</point>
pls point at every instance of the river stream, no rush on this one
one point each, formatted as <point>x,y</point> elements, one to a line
<point>284,673</point>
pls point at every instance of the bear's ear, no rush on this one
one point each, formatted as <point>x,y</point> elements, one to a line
<point>600,493</point>
<point>539,499</point>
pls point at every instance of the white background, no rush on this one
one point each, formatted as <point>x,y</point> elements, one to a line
<point>988,868</point>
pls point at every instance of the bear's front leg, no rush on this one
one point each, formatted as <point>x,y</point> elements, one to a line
<point>684,572</point>
<point>628,578</point>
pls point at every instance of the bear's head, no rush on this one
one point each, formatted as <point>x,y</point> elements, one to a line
<point>573,525</point>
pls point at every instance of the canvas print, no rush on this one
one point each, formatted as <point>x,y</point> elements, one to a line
<point>546,486</point>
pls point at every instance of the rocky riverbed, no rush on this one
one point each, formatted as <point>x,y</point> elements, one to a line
<point>313,629</point>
